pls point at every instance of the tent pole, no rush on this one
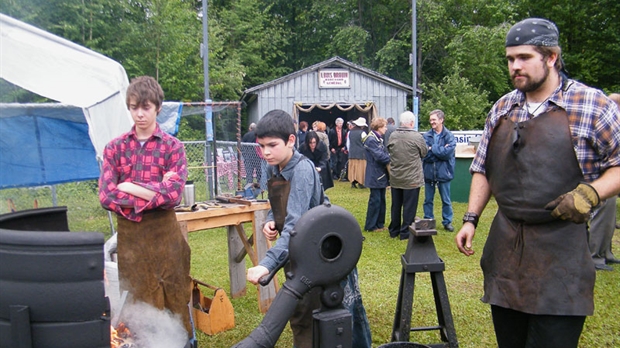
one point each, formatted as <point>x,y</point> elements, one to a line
<point>110,219</point>
<point>54,196</point>
<point>204,50</point>
<point>111,222</point>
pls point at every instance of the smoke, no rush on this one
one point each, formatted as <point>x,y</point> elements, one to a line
<point>150,327</point>
<point>154,328</point>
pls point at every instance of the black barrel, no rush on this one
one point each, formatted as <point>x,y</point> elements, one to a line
<point>41,219</point>
<point>58,276</point>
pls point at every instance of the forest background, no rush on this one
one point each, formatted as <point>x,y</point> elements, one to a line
<point>460,43</point>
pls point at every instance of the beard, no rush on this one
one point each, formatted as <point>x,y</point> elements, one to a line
<point>530,85</point>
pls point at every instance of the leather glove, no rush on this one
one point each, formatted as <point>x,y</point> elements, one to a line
<point>575,205</point>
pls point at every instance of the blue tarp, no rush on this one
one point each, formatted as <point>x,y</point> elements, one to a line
<point>44,146</point>
<point>47,144</point>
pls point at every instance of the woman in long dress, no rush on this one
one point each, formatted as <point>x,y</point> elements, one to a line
<point>357,154</point>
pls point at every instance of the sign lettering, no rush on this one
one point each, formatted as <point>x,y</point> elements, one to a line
<point>334,78</point>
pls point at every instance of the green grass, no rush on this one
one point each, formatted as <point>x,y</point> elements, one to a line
<point>379,269</point>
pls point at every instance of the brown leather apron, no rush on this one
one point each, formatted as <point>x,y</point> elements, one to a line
<point>279,190</point>
<point>531,261</point>
<point>154,262</point>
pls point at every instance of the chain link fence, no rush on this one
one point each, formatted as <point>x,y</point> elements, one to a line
<point>233,165</point>
<point>234,168</point>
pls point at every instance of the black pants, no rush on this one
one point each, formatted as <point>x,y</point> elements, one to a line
<point>405,202</point>
<point>515,329</point>
<point>338,160</point>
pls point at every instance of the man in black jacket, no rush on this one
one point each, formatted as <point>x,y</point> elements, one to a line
<point>337,146</point>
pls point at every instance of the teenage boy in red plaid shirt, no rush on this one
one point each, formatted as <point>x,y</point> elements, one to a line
<point>144,172</point>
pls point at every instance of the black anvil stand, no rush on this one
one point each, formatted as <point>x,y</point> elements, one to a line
<point>421,256</point>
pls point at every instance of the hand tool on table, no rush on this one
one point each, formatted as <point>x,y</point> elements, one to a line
<point>226,199</point>
<point>198,207</point>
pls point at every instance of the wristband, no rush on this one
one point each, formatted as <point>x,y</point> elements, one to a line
<point>471,217</point>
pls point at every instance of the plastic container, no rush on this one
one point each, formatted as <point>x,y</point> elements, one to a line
<point>459,187</point>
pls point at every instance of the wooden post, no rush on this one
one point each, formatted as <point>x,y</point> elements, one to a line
<point>236,270</point>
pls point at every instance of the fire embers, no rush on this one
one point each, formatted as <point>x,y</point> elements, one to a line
<point>144,326</point>
<point>121,337</point>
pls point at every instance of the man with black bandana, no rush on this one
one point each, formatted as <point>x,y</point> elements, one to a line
<point>549,154</point>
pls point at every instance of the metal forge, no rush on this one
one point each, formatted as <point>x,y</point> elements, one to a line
<point>324,248</point>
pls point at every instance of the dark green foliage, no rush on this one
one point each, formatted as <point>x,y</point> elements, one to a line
<point>459,42</point>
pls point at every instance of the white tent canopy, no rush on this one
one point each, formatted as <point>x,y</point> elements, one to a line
<point>61,70</point>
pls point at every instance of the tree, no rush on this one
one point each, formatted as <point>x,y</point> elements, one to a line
<point>350,43</point>
<point>162,39</point>
<point>391,59</point>
<point>254,38</point>
<point>465,106</point>
<point>480,50</point>
<point>252,41</point>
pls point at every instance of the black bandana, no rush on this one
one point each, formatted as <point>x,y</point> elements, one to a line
<point>533,31</point>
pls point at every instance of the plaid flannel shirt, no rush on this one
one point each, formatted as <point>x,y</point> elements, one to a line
<point>126,160</point>
<point>594,122</point>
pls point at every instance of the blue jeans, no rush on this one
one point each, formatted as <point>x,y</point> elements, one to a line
<point>352,301</point>
<point>446,204</point>
<point>375,214</point>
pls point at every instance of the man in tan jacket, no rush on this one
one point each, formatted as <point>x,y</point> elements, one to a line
<point>407,148</point>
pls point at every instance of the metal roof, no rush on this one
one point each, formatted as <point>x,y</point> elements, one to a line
<point>331,63</point>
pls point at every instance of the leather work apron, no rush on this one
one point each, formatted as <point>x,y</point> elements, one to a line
<point>301,320</point>
<point>279,190</point>
<point>154,262</point>
<point>532,262</point>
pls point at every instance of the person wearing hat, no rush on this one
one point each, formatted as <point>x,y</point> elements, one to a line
<point>356,170</point>
<point>549,155</point>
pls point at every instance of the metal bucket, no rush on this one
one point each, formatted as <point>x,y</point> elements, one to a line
<point>403,345</point>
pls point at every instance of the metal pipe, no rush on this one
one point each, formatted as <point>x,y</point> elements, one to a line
<point>414,61</point>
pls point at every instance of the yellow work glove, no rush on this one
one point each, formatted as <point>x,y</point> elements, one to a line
<point>575,205</point>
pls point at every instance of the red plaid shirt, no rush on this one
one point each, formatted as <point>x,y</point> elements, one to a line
<point>125,160</point>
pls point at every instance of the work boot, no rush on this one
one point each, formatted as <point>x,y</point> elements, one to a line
<point>449,227</point>
<point>353,185</point>
<point>603,267</point>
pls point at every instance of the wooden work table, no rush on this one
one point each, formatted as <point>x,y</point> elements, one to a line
<point>233,216</point>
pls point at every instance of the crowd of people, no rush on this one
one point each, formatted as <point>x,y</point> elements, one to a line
<point>366,157</point>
